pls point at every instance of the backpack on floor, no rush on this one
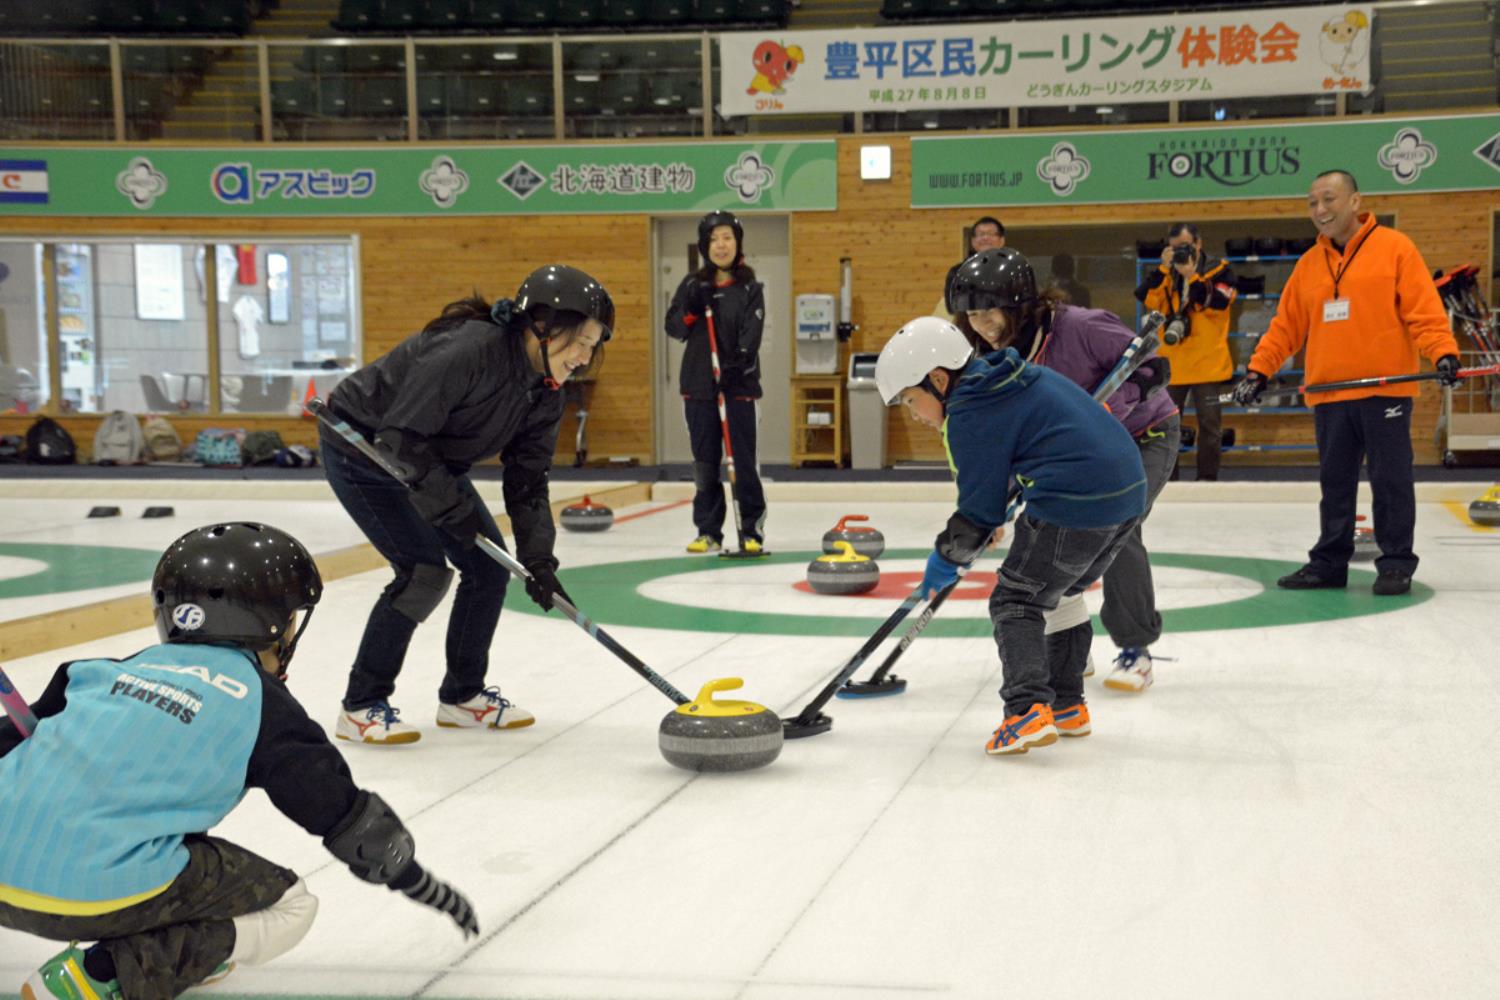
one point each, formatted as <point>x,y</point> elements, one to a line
<point>260,447</point>
<point>218,446</point>
<point>47,443</point>
<point>162,443</point>
<point>119,440</point>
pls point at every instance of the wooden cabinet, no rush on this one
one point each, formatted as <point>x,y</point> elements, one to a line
<point>818,421</point>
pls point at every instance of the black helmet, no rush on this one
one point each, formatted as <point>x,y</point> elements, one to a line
<point>712,221</point>
<point>992,279</point>
<point>237,583</point>
<point>564,288</point>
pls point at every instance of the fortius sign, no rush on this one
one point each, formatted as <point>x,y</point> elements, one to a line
<point>1389,155</point>
<point>1229,161</point>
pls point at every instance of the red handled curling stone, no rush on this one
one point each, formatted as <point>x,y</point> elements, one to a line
<point>845,573</point>
<point>709,735</point>
<point>587,516</point>
<point>866,541</point>
<point>1486,510</point>
<point>1365,546</point>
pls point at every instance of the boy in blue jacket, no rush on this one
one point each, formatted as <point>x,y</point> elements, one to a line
<point>1081,478</point>
<point>105,804</point>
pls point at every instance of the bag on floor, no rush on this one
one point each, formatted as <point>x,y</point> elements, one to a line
<point>219,446</point>
<point>119,440</point>
<point>11,448</point>
<point>47,443</point>
<point>260,447</point>
<point>295,457</point>
<point>162,443</point>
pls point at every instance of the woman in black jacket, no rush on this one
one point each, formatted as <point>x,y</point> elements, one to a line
<point>480,379</point>
<point>727,284</point>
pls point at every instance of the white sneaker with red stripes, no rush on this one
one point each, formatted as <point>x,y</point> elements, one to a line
<point>486,708</point>
<point>379,724</point>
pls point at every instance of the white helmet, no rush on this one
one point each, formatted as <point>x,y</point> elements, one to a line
<point>925,343</point>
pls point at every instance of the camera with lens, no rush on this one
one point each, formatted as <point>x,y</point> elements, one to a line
<point>1175,330</point>
<point>1183,253</point>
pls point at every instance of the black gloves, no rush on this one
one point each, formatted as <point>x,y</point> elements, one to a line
<point>700,297</point>
<point>1447,368</point>
<point>1250,388</point>
<point>1152,377</point>
<point>441,896</point>
<point>464,530</point>
<point>543,583</point>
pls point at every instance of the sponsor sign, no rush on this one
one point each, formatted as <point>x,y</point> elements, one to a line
<point>23,182</point>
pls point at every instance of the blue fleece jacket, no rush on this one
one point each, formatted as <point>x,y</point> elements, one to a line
<point>1076,465</point>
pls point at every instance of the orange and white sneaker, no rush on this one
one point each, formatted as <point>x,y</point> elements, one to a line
<point>379,724</point>
<point>1019,733</point>
<point>1072,721</point>
<point>486,708</point>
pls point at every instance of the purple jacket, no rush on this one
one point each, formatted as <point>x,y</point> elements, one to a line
<point>1085,345</point>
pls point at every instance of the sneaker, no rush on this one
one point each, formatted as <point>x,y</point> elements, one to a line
<point>753,546</point>
<point>1132,670</point>
<point>703,543</point>
<point>1073,720</point>
<point>1391,582</point>
<point>1308,578</point>
<point>1088,666</point>
<point>62,976</point>
<point>380,724</point>
<point>486,708</point>
<point>1019,733</point>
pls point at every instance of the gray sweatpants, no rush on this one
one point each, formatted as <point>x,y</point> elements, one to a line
<point>171,942</point>
<point>1129,613</point>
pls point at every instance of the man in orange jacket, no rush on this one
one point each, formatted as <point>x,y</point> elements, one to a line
<point>1363,302</point>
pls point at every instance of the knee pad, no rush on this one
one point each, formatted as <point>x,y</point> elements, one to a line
<point>274,931</point>
<point>705,476</point>
<point>424,591</point>
<point>1069,613</point>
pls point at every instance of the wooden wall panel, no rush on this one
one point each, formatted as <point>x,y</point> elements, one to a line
<point>411,267</point>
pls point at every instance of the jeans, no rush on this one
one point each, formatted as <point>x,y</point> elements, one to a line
<point>172,941</point>
<point>1045,563</point>
<point>383,511</point>
<point>1376,429</point>
<point>1129,613</point>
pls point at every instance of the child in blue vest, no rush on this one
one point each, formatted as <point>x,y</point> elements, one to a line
<point>1084,487</point>
<point>131,758</point>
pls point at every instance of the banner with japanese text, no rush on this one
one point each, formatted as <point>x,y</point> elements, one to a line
<point>1385,155</point>
<point>469,180</point>
<point>1164,57</point>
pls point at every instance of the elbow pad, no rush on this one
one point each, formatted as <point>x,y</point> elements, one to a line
<point>372,841</point>
<point>962,541</point>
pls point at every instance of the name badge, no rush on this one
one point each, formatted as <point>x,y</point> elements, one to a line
<point>1335,310</point>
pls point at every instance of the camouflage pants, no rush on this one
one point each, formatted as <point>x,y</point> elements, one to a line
<point>169,943</point>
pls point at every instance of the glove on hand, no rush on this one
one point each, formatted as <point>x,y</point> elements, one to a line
<point>1151,377</point>
<point>465,530</point>
<point>1447,367</point>
<point>441,896</point>
<point>700,298</point>
<point>543,584</point>
<point>1249,389</point>
<point>940,573</point>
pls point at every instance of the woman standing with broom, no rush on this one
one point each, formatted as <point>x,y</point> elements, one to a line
<point>722,302</point>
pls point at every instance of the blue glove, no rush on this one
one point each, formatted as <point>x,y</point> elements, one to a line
<point>940,573</point>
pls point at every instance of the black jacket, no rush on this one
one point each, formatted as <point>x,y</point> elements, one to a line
<point>443,400</point>
<point>739,321</point>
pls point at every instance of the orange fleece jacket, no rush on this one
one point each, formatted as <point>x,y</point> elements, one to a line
<point>1394,310</point>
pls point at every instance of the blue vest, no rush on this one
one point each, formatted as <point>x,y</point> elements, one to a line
<point>148,749</point>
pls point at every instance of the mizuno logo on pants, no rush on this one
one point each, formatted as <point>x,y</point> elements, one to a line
<point>1392,412</point>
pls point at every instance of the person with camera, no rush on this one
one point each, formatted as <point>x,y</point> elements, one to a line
<point>1363,304</point>
<point>1194,291</point>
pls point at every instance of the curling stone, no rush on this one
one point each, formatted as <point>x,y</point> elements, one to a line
<point>709,735</point>
<point>866,541</point>
<point>1486,510</point>
<point>587,516</point>
<point>845,573</point>
<point>1365,548</point>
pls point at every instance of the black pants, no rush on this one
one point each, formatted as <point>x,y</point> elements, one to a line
<point>171,942</point>
<point>1376,429</point>
<point>707,438</point>
<point>1210,424</point>
<point>383,510</point>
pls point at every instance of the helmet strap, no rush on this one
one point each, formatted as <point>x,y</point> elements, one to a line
<point>285,649</point>
<point>542,338</point>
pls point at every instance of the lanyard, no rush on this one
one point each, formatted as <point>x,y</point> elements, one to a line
<point>1347,261</point>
